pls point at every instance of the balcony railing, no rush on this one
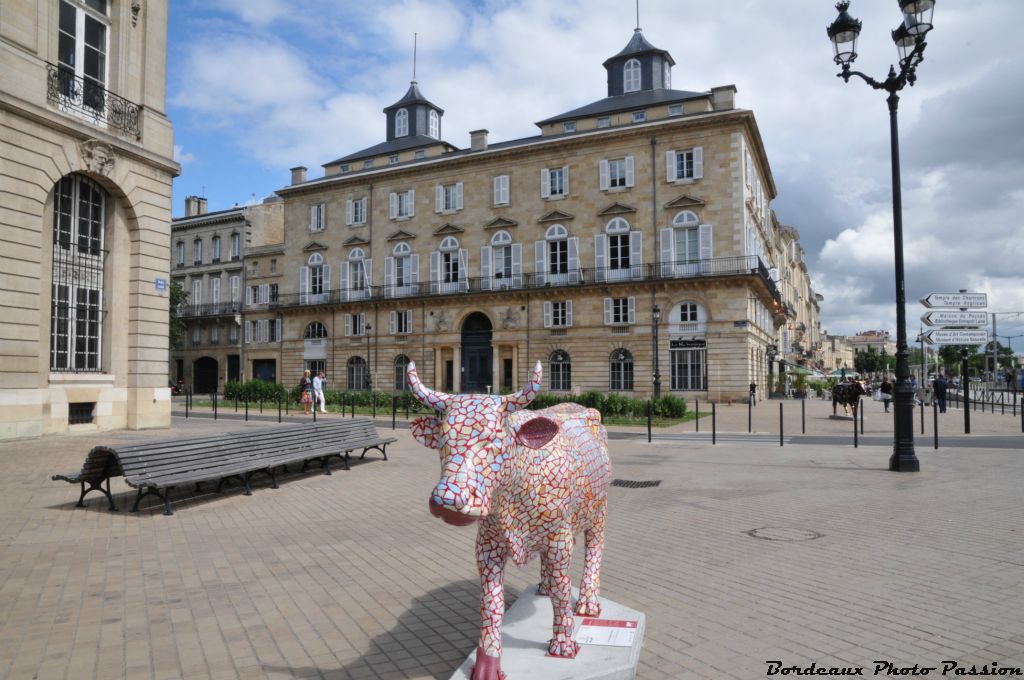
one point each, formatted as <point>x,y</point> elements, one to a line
<point>209,309</point>
<point>722,266</point>
<point>84,97</point>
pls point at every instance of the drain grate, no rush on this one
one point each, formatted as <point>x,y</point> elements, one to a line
<point>634,484</point>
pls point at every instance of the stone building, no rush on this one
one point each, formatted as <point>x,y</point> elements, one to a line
<point>207,251</point>
<point>85,169</point>
<point>629,246</point>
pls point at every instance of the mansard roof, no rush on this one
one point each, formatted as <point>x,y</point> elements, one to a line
<point>393,146</point>
<point>413,96</point>
<point>638,45</point>
<point>626,102</point>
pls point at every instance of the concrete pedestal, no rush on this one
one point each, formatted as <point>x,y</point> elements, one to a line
<point>525,633</point>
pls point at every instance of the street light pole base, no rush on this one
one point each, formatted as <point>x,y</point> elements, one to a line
<point>901,461</point>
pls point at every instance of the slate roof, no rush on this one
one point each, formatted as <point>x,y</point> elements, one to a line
<point>413,96</point>
<point>626,102</point>
<point>394,146</point>
<point>638,45</point>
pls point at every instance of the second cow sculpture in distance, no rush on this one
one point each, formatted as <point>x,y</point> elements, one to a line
<point>532,480</point>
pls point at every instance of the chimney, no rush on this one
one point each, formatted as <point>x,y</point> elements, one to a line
<point>298,174</point>
<point>195,205</point>
<point>723,97</point>
<point>478,140</point>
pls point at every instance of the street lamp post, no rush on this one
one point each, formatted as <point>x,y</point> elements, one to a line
<point>910,43</point>
<point>369,381</point>
<point>656,314</point>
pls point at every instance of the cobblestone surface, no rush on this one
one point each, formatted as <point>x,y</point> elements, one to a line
<point>855,564</point>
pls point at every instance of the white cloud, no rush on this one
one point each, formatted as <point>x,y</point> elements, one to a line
<point>181,156</point>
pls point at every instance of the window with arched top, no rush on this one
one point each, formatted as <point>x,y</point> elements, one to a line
<point>620,371</point>
<point>216,248</point>
<point>560,371</point>
<point>558,256</point>
<point>448,244</point>
<point>401,249</point>
<point>357,374</point>
<point>197,251</point>
<point>450,269</point>
<point>501,238</point>
<point>631,76</point>
<point>618,239</point>
<point>355,274</point>
<point>314,280</point>
<point>315,259</point>
<point>687,236</point>
<point>401,366</point>
<point>401,123</point>
<point>435,125</point>
<point>400,270</point>
<point>555,232</point>
<point>314,331</point>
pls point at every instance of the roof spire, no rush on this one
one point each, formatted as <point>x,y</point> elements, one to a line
<point>414,57</point>
<point>638,15</point>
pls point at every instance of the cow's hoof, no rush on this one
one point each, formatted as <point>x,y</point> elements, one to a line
<point>565,648</point>
<point>588,607</point>
<point>487,667</point>
<point>543,589</point>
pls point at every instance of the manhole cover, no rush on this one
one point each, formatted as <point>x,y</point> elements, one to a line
<point>784,534</point>
<point>633,484</point>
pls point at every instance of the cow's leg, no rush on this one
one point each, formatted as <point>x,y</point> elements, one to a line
<point>590,586</point>
<point>559,557</point>
<point>544,587</point>
<point>490,561</point>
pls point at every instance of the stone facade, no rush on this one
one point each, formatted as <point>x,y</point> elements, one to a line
<point>86,175</point>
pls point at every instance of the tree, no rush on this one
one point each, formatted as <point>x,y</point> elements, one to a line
<point>176,327</point>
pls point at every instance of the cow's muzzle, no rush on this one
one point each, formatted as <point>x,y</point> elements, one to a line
<point>456,505</point>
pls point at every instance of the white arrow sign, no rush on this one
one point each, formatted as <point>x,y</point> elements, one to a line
<point>956,337</point>
<point>955,318</point>
<point>956,300</point>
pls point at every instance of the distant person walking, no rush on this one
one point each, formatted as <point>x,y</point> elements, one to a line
<point>318,392</point>
<point>306,388</point>
<point>886,389</point>
<point>939,390</point>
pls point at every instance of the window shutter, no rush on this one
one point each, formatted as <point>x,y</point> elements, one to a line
<point>234,288</point>
<point>485,268</point>
<point>326,294</point>
<point>248,296</point>
<point>264,330</point>
<point>458,195</point>
<point>636,251</point>
<point>670,165</point>
<point>265,294</point>
<point>312,218</point>
<point>435,270</point>
<point>704,235</point>
<point>496,190</point>
<point>565,180</point>
<point>412,202</point>
<point>389,274</point>
<point>698,162</point>
<point>368,273</point>
<point>574,259</point>
<point>392,205</point>
<point>304,285</point>
<point>601,256</point>
<point>506,196</point>
<point>517,261</point>
<point>540,252</point>
<point>348,325</point>
<point>632,310</point>
<point>568,312</point>
<point>438,198</point>
<point>414,268</point>
<point>343,282</point>
<point>547,315</point>
<point>277,330</point>
<point>630,171</point>
<point>248,332</point>
<point>545,183</point>
<point>464,269</point>
<point>349,218</point>
<point>668,246</point>
<point>607,311</point>
<point>602,174</point>
<point>393,322</point>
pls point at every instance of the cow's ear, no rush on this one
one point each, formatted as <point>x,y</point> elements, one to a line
<point>427,431</point>
<point>537,432</point>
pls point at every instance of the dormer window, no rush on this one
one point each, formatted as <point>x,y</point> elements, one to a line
<point>420,154</point>
<point>639,116</point>
<point>569,126</point>
<point>604,121</point>
<point>393,159</point>
<point>401,123</point>
<point>631,76</point>
<point>675,109</point>
<point>367,164</point>
<point>435,125</point>
<point>343,168</point>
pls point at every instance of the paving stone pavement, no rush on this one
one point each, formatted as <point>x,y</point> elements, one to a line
<point>348,575</point>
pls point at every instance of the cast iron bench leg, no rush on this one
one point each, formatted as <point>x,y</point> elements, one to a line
<point>96,486</point>
<point>374,447</point>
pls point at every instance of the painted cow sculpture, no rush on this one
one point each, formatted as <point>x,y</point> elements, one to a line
<point>532,480</point>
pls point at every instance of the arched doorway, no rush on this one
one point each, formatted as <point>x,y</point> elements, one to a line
<point>476,353</point>
<point>204,375</point>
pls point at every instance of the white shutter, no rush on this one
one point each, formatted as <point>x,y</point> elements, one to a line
<point>458,195</point>
<point>392,205</point>
<point>248,296</point>
<point>412,202</point>
<point>304,285</point>
<point>389,274</point>
<point>602,174</point>
<point>545,183</point>
<point>668,248</point>
<point>348,324</point>
<point>215,290</point>
<point>632,310</point>
<point>326,294</point>
<point>277,329</point>
<point>414,268</point>
<point>698,162</point>
<point>265,294</point>
<point>506,196</point>
<point>463,269</point>
<point>670,165</point>
<point>517,263</point>
<point>438,198</point>
<point>607,311</point>
<point>312,218</point>
<point>601,256</point>
<point>248,332</point>
<point>234,288</point>
<point>435,271</point>
<point>547,315</point>
<point>349,218</point>
<point>568,312</point>
<point>496,190</point>
<point>574,259</point>
<point>704,236</point>
<point>485,268</point>
<point>540,253</point>
<point>368,273</point>
<point>565,180</point>
<point>630,171</point>
<point>264,330</point>
<point>343,280</point>
<point>394,322</point>
<point>636,252</point>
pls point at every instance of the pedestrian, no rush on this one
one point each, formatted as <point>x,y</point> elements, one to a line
<point>306,388</point>
<point>318,392</point>
<point>753,393</point>
<point>939,388</point>
<point>886,389</point>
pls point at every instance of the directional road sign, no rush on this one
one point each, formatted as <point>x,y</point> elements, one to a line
<point>956,337</point>
<point>951,318</point>
<point>956,300</point>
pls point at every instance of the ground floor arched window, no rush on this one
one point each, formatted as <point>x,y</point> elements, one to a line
<point>401,366</point>
<point>358,376</point>
<point>560,371</point>
<point>689,368</point>
<point>620,371</point>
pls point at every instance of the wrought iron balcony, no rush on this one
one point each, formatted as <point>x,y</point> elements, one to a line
<point>715,267</point>
<point>209,309</point>
<point>84,97</point>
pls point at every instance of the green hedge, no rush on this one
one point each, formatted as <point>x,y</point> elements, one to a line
<point>254,390</point>
<point>668,406</point>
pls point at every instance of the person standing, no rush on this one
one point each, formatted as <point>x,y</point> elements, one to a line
<point>306,388</point>
<point>886,389</point>
<point>318,392</point>
<point>939,389</point>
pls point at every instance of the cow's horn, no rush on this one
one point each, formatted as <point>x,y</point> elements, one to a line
<point>423,394</point>
<point>523,397</point>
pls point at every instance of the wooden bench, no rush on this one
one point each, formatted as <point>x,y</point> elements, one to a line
<point>160,466</point>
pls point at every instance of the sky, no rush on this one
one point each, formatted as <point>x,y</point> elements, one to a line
<point>256,87</point>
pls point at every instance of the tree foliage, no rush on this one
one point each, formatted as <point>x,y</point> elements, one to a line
<point>176,327</point>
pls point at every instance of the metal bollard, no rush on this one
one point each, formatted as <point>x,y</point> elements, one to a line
<point>854,433</point>
<point>860,412</point>
<point>935,423</point>
<point>215,404</point>
<point>373,404</point>
<point>696,414</point>
<point>922,418</point>
<point>261,404</point>
<point>394,410</point>
<point>236,401</point>
<point>353,404</point>
<point>247,409</point>
<point>187,394</point>
<point>750,416</point>
<point>278,407</point>
<point>314,412</point>
<point>714,424</point>
<point>780,423</point>
<point>649,421</point>
<point>803,416</point>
